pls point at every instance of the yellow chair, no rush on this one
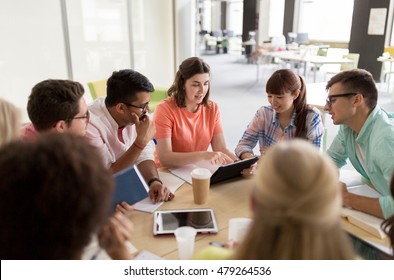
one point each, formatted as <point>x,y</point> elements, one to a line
<point>390,50</point>
<point>98,88</point>
<point>158,95</point>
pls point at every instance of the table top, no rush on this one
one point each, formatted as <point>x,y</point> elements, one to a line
<point>315,59</point>
<point>385,59</point>
<point>228,199</point>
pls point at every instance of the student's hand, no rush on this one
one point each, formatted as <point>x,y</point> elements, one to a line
<point>218,158</point>
<point>250,171</point>
<point>145,129</point>
<point>113,236</point>
<point>231,244</point>
<point>124,207</point>
<point>345,195</point>
<point>159,192</point>
<point>263,150</point>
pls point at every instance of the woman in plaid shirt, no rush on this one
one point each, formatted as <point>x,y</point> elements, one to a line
<point>287,117</point>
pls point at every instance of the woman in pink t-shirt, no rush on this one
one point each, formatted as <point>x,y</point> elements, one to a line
<point>188,121</point>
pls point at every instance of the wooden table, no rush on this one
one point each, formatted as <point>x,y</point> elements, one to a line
<point>228,200</point>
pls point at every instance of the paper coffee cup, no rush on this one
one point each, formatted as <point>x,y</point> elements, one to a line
<point>200,181</point>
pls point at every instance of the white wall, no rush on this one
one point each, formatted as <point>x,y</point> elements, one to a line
<point>271,15</point>
<point>215,15</point>
<point>153,40</point>
<point>235,16</point>
<point>99,39</point>
<point>31,49</point>
<point>33,42</point>
<point>186,29</point>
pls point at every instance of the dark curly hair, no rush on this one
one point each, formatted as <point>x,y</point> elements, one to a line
<point>123,86</point>
<point>54,194</point>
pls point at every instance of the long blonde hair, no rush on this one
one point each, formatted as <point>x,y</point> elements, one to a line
<point>9,122</point>
<point>296,206</point>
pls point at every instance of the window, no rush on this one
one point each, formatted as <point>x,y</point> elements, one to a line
<point>326,20</point>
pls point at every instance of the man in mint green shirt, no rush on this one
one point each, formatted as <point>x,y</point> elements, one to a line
<point>366,137</point>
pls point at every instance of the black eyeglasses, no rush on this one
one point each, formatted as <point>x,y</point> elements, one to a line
<point>86,116</point>
<point>143,108</point>
<point>330,97</point>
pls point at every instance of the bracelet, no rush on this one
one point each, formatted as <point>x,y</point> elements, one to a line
<point>138,146</point>
<point>154,180</point>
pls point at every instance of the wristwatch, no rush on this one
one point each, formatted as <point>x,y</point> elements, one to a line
<point>154,180</point>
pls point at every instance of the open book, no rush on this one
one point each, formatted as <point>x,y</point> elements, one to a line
<point>362,220</point>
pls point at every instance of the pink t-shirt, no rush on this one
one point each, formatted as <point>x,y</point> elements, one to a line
<point>189,132</point>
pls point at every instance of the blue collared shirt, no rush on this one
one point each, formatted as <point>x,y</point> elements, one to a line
<point>376,140</point>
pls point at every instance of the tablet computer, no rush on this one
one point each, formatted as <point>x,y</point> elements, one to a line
<point>229,171</point>
<point>167,221</point>
<point>130,186</point>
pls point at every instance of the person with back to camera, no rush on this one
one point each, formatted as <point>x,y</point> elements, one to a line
<point>365,137</point>
<point>388,224</point>
<point>55,193</point>
<point>56,105</point>
<point>287,117</point>
<point>9,122</point>
<point>122,131</point>
<point>296,206</point>
<point>188,122</point>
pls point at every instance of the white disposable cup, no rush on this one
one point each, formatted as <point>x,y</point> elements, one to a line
<point>237,228</point>
<point>201,178</point>
<point>185,237</point>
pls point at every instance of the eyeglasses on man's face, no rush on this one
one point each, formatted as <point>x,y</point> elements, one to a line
<point>86,116</point>
<point>144,108</point>
<point>330,98</point>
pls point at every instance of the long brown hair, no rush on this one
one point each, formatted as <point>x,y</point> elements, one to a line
<point>188,68</point>
<point>285,80</point>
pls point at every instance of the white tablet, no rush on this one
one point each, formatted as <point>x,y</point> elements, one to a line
<point>167,221</point>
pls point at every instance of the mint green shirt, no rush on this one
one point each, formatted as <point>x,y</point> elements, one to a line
<point>376,140</point>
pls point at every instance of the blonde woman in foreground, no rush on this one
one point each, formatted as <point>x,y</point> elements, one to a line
<point>296,205</point>
<point>9,122</point>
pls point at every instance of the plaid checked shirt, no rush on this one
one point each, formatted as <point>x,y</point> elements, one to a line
<point>265,128</point>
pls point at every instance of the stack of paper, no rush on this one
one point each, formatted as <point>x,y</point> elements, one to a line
<point>184,171</point>
<point>365,221</point>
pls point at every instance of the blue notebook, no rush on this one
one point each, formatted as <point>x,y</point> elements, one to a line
<point>130,186</point>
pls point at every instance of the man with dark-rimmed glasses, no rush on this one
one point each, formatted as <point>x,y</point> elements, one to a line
<point>56,105</point>
<point>121,129</point>
<point>366,137</point>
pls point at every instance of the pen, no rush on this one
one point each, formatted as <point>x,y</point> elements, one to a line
<point>95,255</point>
<point>154,141</point>
<point>217,244</point>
